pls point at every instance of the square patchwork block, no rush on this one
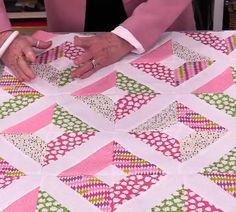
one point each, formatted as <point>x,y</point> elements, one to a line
<point>202,133</point>
<point>70,132</point>
<point>129,96</point>
<point>138,176</point>
<point>172,71</point>
<point>56,64</point>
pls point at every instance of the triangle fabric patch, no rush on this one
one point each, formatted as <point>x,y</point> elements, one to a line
<point>8,174</point>
<point>47,203</point>
<point>26,203</point>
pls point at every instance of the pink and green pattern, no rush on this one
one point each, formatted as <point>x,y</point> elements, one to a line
<point>225,181</point>
<point>151,64</point>
<point>166,118</point>
<point>168,146</point>
<point>173,77</point>
<point>131,187</point>
<point>46,153</point>
<point>131,164</point>
<point>177,112</point>
<point>189,70</point>
<point>231,43</point>
<point>76,133</point>
<point>50,55</point>
<point>226,46</point>
<point>65,77</point>
<point>23,95</point>
<point>101,104</point>
<point>15,104</point>
<point>185,200</point>
<point>194,202</point>
<point>223,172</point>
<point>8,174</point>
<point>131,86</point>
<point>53,75</point>
<point>140,176</point>
<point>67,49</point>
<point>108,198</point>
<point>226,164</point>
<point>175,202</point>
<point>68,122</point>
<point>221,101</point>
<point>205,132</point>
<point>137,96</point>
<point>195,120</point>
<point>130,103</point>
<point>58,147</point>
<point>47,203</point>
<point>91,188</point>
<point>16,88</point>
<point>158,71</point>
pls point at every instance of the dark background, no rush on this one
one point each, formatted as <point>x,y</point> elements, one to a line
<point>202,11</point>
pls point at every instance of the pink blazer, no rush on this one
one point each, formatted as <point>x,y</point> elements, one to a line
<point>147,19</point>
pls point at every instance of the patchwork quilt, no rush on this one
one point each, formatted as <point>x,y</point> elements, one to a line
<point>153,132</point>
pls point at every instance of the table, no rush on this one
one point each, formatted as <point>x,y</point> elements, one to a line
<point>153,132</point>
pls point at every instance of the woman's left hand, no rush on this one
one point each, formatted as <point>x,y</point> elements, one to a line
<point>100,50</point>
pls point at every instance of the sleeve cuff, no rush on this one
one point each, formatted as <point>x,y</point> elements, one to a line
<point>127,35</point>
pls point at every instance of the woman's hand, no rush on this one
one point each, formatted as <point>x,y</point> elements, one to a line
<point>20,55</point>
<point>100,51</point>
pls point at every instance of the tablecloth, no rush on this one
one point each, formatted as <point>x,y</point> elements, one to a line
<point>152,132</point>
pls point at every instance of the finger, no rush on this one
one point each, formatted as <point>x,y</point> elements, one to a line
<point>83,58</point>
<point>87,74</point>
<point>15,72</point>
<point>26,70</point>
<point>82,70</point>
<point>42,44</point>
<point>39,43</point>
<point>20,74</point>
<point>83,42</point>
<point>29,54</point>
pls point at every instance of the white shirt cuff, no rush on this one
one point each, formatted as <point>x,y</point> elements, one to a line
<point>126,35</point>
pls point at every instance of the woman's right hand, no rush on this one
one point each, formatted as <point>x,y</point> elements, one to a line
<point>20,55</point>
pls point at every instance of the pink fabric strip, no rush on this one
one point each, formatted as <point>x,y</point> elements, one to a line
<point>218,84</point>
<point>94,163</point>
<point>157,55</point>
<point>99,86</point>
<point>25,203</point>
<point>34,123</point>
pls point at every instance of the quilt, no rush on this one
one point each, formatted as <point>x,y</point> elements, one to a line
<point>152,132</point>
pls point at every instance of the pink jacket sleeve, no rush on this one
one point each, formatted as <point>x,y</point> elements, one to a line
<point>153,17</point>
<point>4,21</point>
